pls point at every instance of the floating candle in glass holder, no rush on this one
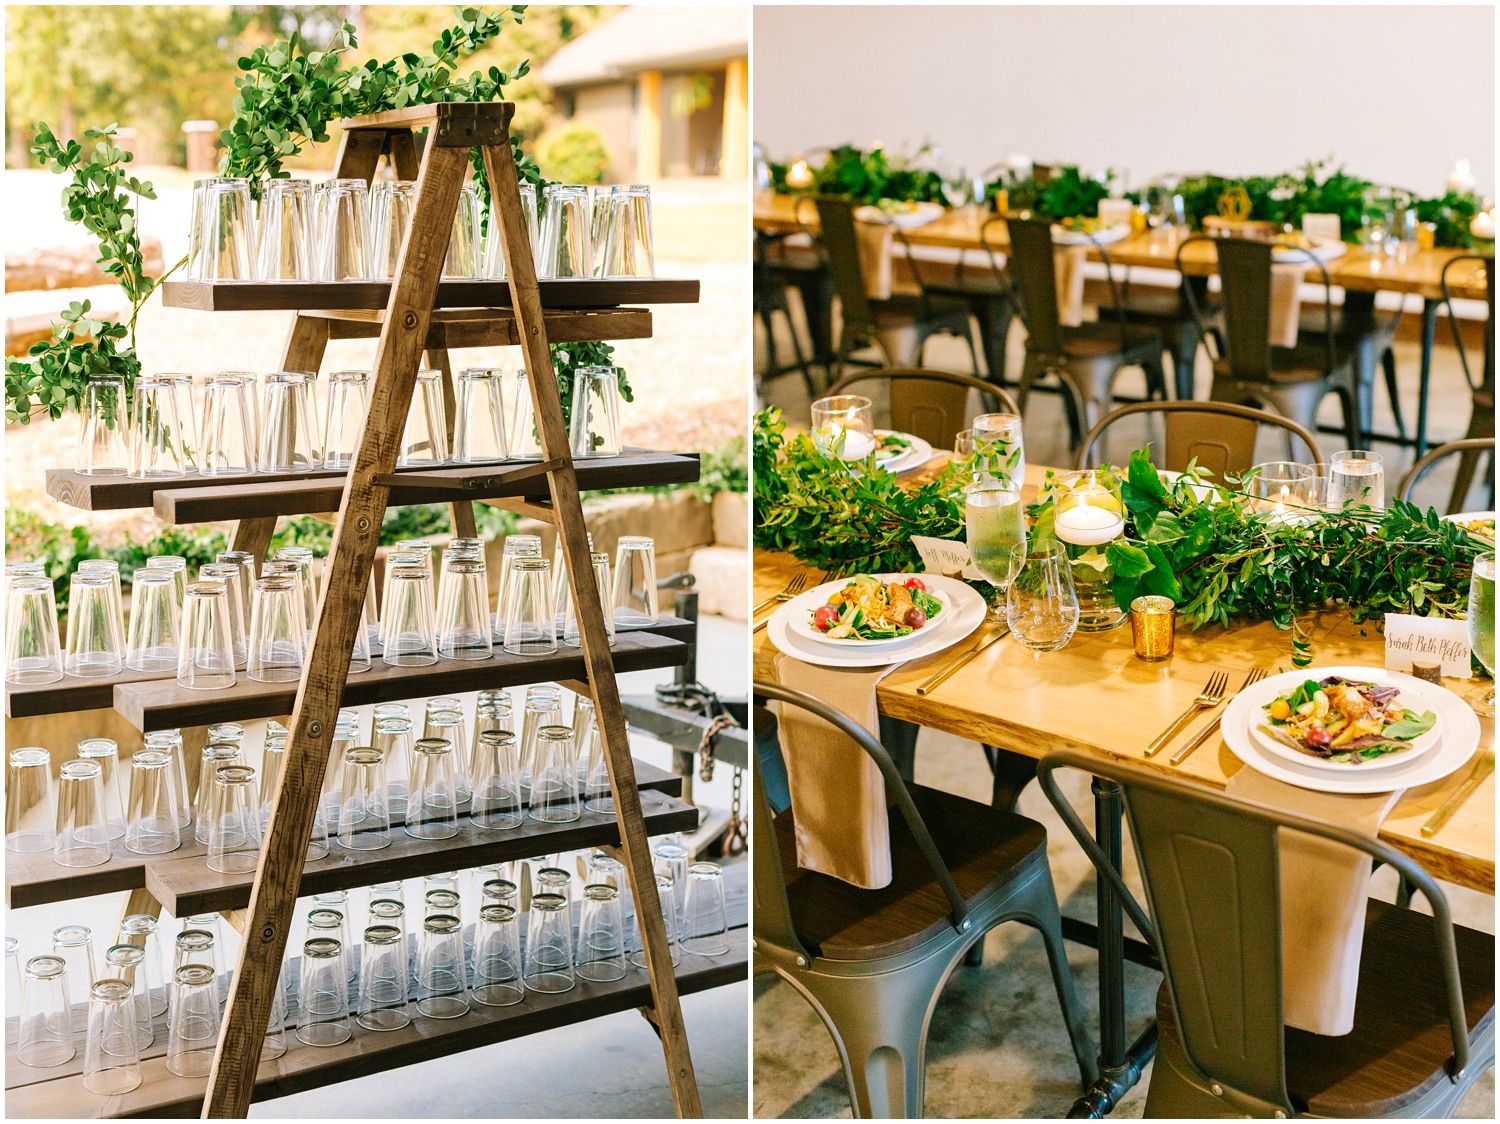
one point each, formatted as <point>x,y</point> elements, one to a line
<point>844,426</point>
<point>1088,515</point>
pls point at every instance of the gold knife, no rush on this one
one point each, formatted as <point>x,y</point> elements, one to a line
<point>1482,768</point>
<point>1212,725</point>
<point>932,684</point>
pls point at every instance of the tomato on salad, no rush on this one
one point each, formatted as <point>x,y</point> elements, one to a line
<point>915,583</point>
<point>825,617</point>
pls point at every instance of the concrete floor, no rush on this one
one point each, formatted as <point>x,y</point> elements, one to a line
<point>997,1047</point>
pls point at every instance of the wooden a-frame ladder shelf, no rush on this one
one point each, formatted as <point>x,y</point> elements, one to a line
<point>416,312</point>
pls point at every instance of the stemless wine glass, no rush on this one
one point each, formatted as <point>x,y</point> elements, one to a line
<point>33,655</point>
<point>228,438</point>
<point>634,597</point>
<point>1482,628</point>
<point>843,426</point>
<point>391,204</point>
<point>995,521</point>
<point>284,238</point>
<point>595,423</point>
<point>566,221</point>
<point>479,433</point>
<point>1356,477</point>
<point>999,451</point>
<point>96,625</point>
<point>628,250</point>
<point>343,224</point>
<point>1041,605</point>
<point>156,437</point>
<point>103,427</point>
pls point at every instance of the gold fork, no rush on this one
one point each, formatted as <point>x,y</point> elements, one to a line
<point>788,593</point>
<point>1211,695</point>
<point>793,587</point>
<point>1255,676</point>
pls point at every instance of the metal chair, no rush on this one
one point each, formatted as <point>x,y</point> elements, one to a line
<point>1469,451</point>
<point>1210,864</point>
<point>1290,380</point>
<point>1086,358</point>
<point>932,405</point>
<point>769,298</point>
<point>1482,417</point>
<point>804,268</point>
<point>873,962</point>
<point>880,322</point>
<point>990,298</point>
<point>1220,436</point>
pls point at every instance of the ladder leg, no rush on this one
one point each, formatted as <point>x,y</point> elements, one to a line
<point>279,874</point>
<point>610,716</point>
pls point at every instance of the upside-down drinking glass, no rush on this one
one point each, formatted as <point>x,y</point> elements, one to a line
<point>156,435</point>
<point>33,655</point>
<point>548,963</point>
<point>704,924</point>
<point>193,1021</point>
<point>214,754</point>
<point>667,901</point>
<point>465,252</point>
<point>442,983</point>
<point>229,437</point>
<point>463,612</point>
<point>554,777</point>
<point>278,634</point>
<point>525,436</point>
<point>382,980</point>
<point>595,424</point>
<point>634,598</point>
<point>284,235</point>
<point>391,203</point>
<point>496,781</point>
<point>289,441</point>
<point>45,1038</point>
<point>96,625</point>
<point>348,402</point>
<point>496,977</point>
<point>105,753</point>
<point>343,225</point>
<point>152,827</point>
<point>479,433</point>
<point>432,806</point>
<point>323,998</point>
<point>601,935</point>
<point>494,257</point>
<point>206,660</point>
<point>364,815</point>
<point>111,1057</point>
<point>222,246</point>
<point>628,250</point>
<point>529,626</point>
<point>82,828</point>
<point>410,636</point>
<point>234,831</point>
<point>103,428</point>
<point>566,220</point>
<point>127,963</point>
<point>230,577</point>
<point>424,442</point>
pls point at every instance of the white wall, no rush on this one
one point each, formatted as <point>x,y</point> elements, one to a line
<point>1395,93</point>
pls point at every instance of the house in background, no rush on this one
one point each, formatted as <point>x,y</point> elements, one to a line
<point>668,87</point>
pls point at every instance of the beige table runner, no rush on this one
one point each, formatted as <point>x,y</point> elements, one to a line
<point>1286,302</point>
<point>838,794</point>
<point>873,240</point>
<point>1324,888</point>
<point>1068,268</point>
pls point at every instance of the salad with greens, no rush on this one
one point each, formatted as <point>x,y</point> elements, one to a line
<point>869,608</point>
<point>1344,720</point>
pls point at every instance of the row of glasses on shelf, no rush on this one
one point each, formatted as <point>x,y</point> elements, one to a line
<point>250,423</point>
<point>376,985</point>
<point>229,619</point>
<point>352,230</point>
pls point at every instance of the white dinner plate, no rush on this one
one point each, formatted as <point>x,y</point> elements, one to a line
<point>920,215</point>
<point>967,615</point>
<point>803,627</point>
<point>919,454</point>
<point>1466,516</point>
<point>1103,237</point>
<point>1323,251</point>
<point>1460,735</point>
<point>1408,699</point>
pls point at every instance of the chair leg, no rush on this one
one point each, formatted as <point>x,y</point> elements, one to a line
<point>1392,391</point>
<point>1173,1095</point>
<point>1012,773</point>
<point>1349,399</point>
<point>1041,903</point>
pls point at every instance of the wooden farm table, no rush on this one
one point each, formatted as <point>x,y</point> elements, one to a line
<point>1094,696</point>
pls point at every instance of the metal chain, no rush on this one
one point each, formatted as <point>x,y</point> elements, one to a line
<point>706,745</point>
<point>736,842</point>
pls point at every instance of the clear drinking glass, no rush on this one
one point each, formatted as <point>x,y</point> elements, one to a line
<point>194,946</point>
<point>843,426</point>
<point>45,1038</point>
<point>348,402</point>
<point>274,1043</point>
<point>667,900</point>
<point>33,654</point>
<point>463,614</point>
<point>170,743</point>
<point>342,225</point>
<point>445,721</point>
<point>234,831</point>
<point>1481,616</point>
<point>230,576</point>
<point>634,599</point>
<point>289,441</point>
<point>382,980</point>
<point>214,754</point>
<point>554,777</point>
<point>323,998</point>
<point>516,546</point>
<point>246,562</point>
<point>127,964</point>
<point>391,204</point>
<point>12,990</point>
<point>479,434</point>
<point>96,625</point>
<point>309,574</point>
<point>278,634</point>
<point>1279,482</point>
<point>330,919</point>
<point>154,622</point>
<point>153,827</point>
<point>465,251</point>
<point>496,779</point>
<point>704,924</point>
<point>229,436</point>
<point>595,424</point>
<point>186,412</point>
<point>364,816</point>
<point>565,248</point>
<point>105,753</point>
<point>82,835</point>
<point>494,258</point>
<point>394,741</point>
<point>75,945</point>
<point>424,442</point>
<point>193,1021</point>
<point>442,983</point>
<point>103,428</point>
<point>176,565</point>
<point>496,977</point>
<point>111,1057</point>
<point>206,661</point>
<point>156,437</point>
<point>561,593</point>
<point>1356,477</point>
<point>529,627</point>
<point>139,929</point>
<point>284,238</point>
<point>597,791</point>
<point>543,707</point>
<point>223,248</point>
<point>548,964</point>
<point>601,935</point>
<point>996,523</point>
<point>525,438</point>
<point>410,637</point>
<point>1041,605</point>
<point>628,248</point>
<point>672,860</point>
<point>583,733</point>
<point>432,807</point>
<point>999,451</point>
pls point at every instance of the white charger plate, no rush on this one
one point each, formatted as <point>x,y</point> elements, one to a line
<point>1467,516</point>
<point>803,627</point>
<point>1323,251</point>
<point>919,454</point>
<point>1103,237</point>
<point>1409,700</point>
<point>921,215</point>
<point>967,615</point>
<point>1459,739</point>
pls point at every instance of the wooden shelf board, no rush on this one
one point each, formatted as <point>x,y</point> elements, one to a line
<point>160,704</point>
<point>557,295</point>
<point>163,1094</point>
<point>233,497</point>
<point>35,879</point>
<point>486,327</point>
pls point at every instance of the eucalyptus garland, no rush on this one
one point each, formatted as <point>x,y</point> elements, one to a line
<point>1197,542</point>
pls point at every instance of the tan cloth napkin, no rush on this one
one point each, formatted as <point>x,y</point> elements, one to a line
<point>1068,266</point>
<point>874,241</point>
<point>1286,302</point>
<point>1324,888</point>
<point>838,794</point>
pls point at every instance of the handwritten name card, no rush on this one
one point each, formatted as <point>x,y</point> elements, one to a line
<point>1427,640</point>
<point>944,556</point>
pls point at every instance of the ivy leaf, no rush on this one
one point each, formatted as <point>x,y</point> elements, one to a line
<point>1126,559</point>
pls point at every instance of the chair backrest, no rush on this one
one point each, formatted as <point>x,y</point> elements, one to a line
<point>773,915</point>
<point>841,247</point>
<point>1414,474</point>
<point>1484,386</point>
<point>1210,864</point>
<point>1034,274</point>
<point>1220,436</point>
<point>932,405</point>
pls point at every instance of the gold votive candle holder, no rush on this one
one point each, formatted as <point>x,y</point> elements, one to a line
<point>1153,626</point>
